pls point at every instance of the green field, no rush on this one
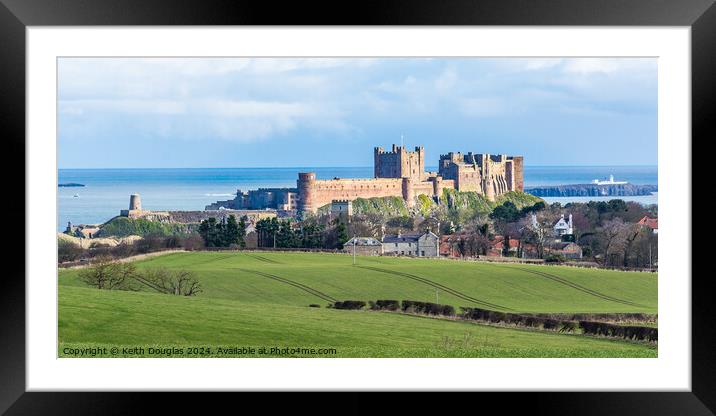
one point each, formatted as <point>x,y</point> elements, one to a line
<point>261,299</point>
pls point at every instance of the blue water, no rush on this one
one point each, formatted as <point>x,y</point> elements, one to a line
<point>107,191</point>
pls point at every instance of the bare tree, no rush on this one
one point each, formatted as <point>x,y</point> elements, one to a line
<point>631,233</point>
<point>580,224</point>
<point>612,236</point>
<point>173,282</point>
<point>539,230</point>
<point>477,244</point>
<point>110,275</point>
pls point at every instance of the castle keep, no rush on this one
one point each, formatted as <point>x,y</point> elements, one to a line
<point>398,172</point>
<point>401,173</point>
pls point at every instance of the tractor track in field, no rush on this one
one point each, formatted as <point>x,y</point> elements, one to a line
<point>579,287</point>
<point>429,282</point>
<point>297,285</point>
<point>211,260</point>
<point>262,258</point>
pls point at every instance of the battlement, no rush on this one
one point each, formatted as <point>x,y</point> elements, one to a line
<point>397,150</point>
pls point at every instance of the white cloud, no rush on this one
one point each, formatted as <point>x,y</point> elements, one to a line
<point>591,65</point>
<point>482,107</point>
<point>533,64</point>
<point>250,99</point>
<point>227,119</point>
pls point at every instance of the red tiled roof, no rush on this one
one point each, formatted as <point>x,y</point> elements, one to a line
<point>652,223</point>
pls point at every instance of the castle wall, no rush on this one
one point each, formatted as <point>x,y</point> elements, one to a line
<point>424,188</point>
<point>314,194</point>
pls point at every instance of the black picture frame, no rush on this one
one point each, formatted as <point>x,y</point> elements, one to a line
<point>16,15</point>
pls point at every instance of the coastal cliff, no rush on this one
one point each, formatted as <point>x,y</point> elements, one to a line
<point>589,189</point>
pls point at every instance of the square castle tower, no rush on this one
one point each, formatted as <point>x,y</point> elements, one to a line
<point>399,163</point>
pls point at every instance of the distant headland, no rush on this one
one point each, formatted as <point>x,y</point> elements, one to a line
<point>70,185</point>
<point>592,189</point>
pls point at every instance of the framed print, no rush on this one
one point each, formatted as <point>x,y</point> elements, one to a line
<point>459,198</point>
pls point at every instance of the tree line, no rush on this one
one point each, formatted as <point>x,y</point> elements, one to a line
<point>309,233</point>
<point>226,232</point>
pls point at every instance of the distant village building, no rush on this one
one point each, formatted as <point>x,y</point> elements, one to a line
<point>652,223</point>
<point>419,245</point>
<point>342,207</point>
<point>364,246</point>
<point>82,230</point>
<point>567,249</point>
<point>449,244</point>
<point>564,227</point>
<point>497,246</point>
<point>283,199</point>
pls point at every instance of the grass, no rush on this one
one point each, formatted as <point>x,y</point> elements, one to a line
<point>95,318</point>
<point>261,299</point>
<point>232,276</point>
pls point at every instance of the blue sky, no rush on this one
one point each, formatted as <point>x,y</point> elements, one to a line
<point>233,112</point>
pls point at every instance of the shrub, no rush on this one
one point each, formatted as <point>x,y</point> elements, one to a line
<point>412,306</point>
<point>638,333</point>
<point>314,305</point>
<point>550,324</point>
<point>567,326</point>
<point>349,304</point>
<point>494,316</point>
<point>388,305</point>
<point>68,251</point>
<point>555,258</point>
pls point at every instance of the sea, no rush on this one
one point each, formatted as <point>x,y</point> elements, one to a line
<point>107,191</point>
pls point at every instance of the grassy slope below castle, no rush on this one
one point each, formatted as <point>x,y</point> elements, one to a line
<point>239,306</point>
<point>460,202</point>
<point>123,227</point>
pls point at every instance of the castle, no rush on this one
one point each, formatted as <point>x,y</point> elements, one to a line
<point>398,172</point>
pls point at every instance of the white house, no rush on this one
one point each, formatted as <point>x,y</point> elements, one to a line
<point>419,245</point>
<point>564,227</point>
<point>364,246</point>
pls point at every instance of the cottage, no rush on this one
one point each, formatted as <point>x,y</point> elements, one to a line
<point>420,245</point>
<point>567,249</point>
<point>82,230</point>
<point>652,223</point>
<point>363,246</point>
<point>497,246</point>
<point>563,227</point>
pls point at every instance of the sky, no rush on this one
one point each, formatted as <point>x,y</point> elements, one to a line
<point>326,112</point>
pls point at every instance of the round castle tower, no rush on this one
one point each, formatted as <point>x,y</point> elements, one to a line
<point>135,202</point>
<point>408,192</point>
<point>305,184</point>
